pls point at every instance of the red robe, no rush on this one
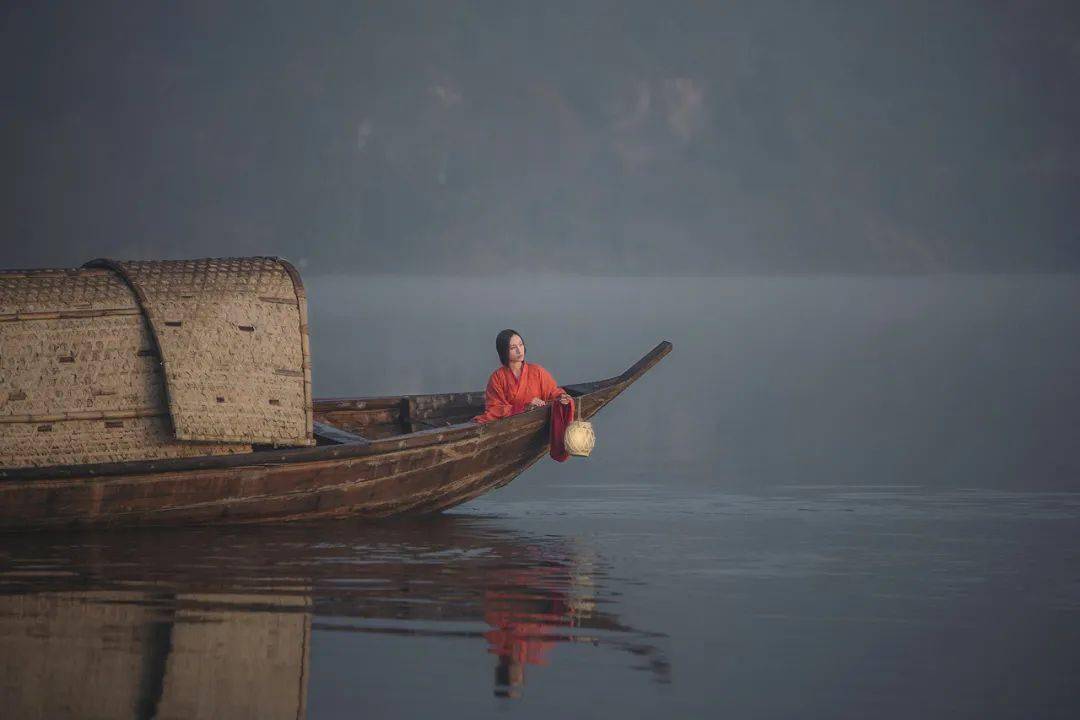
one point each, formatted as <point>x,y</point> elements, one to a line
<point>508,395</point>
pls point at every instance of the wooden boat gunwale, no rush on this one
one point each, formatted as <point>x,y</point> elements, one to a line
<point>344,451</point>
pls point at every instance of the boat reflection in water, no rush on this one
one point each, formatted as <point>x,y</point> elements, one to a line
<point>218,622</point>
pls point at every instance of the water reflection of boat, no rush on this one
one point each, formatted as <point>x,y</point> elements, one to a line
<point>214,623</point>
<point>117,654</point>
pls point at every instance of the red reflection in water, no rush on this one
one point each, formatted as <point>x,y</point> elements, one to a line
<point>524,627</point>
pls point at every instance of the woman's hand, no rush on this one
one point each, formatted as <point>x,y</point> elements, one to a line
<point>536,402</point>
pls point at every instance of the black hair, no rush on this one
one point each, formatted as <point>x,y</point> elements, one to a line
<point>502,344</point>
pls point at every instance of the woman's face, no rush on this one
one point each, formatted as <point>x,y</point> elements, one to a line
<point>516,350</point>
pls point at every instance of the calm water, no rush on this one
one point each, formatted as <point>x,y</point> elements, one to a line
<point>837,497</point>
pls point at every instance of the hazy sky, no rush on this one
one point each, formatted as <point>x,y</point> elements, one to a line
<point>622,137</point>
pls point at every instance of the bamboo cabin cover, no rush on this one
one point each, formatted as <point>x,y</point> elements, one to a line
<point>124,361</point>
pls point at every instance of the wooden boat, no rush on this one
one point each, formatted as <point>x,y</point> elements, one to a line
<point>374,458</point>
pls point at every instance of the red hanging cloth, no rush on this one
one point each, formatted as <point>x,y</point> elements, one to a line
<point>561,416</point>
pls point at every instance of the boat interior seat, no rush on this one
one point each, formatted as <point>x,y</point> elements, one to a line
<point>326,434</point>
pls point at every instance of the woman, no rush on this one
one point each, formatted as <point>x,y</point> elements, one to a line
<point>517,386</point>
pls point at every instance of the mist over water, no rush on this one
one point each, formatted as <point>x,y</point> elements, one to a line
<point>837,497</point>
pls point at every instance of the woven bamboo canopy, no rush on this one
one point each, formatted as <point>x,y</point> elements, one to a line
<point>143,360</point>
